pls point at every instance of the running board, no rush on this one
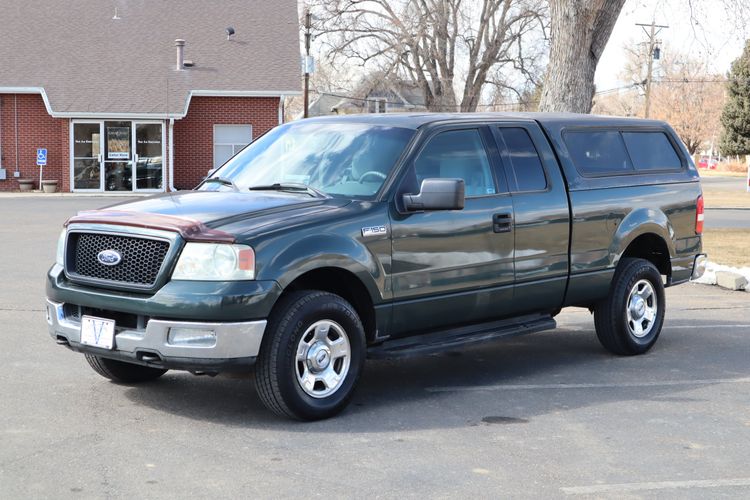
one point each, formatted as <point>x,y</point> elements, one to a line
<point>446,340</point>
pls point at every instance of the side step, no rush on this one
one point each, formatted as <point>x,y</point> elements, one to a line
<point>445,340</point>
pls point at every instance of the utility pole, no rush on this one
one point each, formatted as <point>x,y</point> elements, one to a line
<point>308,21</point>
<point>653,53</point>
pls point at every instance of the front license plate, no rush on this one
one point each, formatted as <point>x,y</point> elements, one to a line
<point>98,332</point>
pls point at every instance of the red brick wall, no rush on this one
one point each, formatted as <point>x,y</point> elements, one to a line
<point>194,134</point>
<point>36,129</point>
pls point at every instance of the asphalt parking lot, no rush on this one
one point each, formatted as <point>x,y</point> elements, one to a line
<point>545,415</point>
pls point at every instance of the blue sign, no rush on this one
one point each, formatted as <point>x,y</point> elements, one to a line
<point>41,156</point>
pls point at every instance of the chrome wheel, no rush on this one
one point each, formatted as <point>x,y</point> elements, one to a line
<point>642,308</point>
<point>323,358</point>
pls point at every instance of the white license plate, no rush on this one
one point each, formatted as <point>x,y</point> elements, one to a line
<point>98,332</point>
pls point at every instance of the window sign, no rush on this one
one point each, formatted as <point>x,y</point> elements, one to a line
<point>118,143</point>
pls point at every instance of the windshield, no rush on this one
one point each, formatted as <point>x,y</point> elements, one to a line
<point>339,159</point>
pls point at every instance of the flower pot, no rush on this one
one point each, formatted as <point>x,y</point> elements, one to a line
<point>49,186</point>
<point>25,184</point>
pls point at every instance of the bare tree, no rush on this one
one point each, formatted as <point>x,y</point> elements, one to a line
<point>579,31</point>
<point>690,99</point>
<point>684,94</point>
<point>437,44</point>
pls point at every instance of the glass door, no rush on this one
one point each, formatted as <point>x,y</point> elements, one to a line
<point>118,160</point>
<point>87,157</point>
<point>149,156</point>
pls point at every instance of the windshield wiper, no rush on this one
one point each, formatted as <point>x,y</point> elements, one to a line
<point>291,186</point>
<point>221,180</point>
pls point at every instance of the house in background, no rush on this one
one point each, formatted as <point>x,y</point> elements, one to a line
<point>140,96</point>
<point>375,94</point>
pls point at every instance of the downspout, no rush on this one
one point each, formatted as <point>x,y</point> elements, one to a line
<point>15,111</point>
<point>1,131</point>
<point>281,109</point>
<point>171,155</point>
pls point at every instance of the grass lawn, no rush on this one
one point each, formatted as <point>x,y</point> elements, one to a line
<point>730,247</point>
<point>720,173</point>
<point>725,198</point>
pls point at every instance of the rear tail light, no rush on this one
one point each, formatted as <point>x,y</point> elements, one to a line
<point>699,215</point>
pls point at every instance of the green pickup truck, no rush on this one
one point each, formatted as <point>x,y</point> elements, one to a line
<point>328,241</point>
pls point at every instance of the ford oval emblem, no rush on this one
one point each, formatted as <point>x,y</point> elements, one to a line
<point>109,257</point>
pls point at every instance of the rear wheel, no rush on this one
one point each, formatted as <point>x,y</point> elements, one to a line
<point>122,372</point>
<point>311,357</point>
<point>629,320</point>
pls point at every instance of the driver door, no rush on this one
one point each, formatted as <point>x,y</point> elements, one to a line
<point>453,266</point>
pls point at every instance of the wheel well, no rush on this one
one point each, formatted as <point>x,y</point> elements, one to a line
<point>344,284</point>
<point>652,248</point>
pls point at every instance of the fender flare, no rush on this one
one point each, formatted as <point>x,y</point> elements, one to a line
<point>331,251</point>
<point>638,223</point>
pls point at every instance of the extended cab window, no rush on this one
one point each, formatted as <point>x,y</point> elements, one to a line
<point>456,154</point>
<point>525,165</point>
<point>598,152</point>
<point>651,151</point>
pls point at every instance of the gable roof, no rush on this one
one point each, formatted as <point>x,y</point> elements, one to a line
<point>84,62</point>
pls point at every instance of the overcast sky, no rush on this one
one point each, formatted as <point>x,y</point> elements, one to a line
<point>718,37</point>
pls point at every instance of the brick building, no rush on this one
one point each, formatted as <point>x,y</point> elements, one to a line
<point>140,96</point>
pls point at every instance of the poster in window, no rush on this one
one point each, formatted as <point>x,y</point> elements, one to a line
<point>118,143</point>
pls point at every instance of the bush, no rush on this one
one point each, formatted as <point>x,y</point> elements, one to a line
<point>731,166</point>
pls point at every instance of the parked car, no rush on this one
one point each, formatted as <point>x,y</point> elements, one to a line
<point>331,240</point>
<point>708,162</point>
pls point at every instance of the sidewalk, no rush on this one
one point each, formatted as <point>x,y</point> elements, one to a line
<point>39,194</point>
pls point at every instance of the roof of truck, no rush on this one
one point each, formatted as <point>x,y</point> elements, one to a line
<point>552,120</point>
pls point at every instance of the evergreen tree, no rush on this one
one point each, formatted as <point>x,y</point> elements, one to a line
<point>735,118</point>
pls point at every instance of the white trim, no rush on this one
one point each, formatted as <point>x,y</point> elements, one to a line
<point>171,156</point>
<point>71,167</point>
<point>134,163</point>
<point>145,116</point>
<point>102,163</point>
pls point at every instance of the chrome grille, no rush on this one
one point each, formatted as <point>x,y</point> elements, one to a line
<point>142,258</point>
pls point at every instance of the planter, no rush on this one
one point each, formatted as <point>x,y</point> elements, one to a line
<point>25,184</point>
<point>49,186</point>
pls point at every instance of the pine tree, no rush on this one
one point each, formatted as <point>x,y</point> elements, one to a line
<point>735,118</point>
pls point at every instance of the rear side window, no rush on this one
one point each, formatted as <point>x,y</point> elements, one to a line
<point>651,151</point>
<point>598,152</point>
<point>525,164</point>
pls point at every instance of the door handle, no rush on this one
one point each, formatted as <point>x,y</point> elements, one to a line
<point>502,223</point>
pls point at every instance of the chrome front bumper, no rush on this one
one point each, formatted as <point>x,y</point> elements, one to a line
<point>235,344</point>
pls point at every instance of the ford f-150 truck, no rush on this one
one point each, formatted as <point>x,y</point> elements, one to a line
<point>327,241</point>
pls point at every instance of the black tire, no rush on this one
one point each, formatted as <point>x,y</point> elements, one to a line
<point>613,326</point>
<point>122,372</point>
<point>277,366</point>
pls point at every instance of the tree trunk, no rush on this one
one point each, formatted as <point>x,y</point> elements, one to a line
<point>579,31</point>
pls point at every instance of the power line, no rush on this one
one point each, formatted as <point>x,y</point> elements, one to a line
<point>653,53</point>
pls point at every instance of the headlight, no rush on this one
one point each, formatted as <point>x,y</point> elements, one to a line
<point>215,262</point>
<point>60,256</point>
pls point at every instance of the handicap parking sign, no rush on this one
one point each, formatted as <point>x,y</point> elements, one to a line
<point>41,156</point>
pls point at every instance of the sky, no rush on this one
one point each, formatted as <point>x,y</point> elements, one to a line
<point>711,30</point>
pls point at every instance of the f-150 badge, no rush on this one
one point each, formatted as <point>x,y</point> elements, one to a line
<point>374,231</point>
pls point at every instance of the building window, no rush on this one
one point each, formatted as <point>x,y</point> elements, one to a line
<point>229,140</point>
<point>377,105</point>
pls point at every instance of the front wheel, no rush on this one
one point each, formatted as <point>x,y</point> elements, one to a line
<point>122,372</point>
<point>311,357</point>
<point>629,320</point>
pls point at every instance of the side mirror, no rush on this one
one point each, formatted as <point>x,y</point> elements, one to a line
<point>210,173</point>
<point>437,194</point>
